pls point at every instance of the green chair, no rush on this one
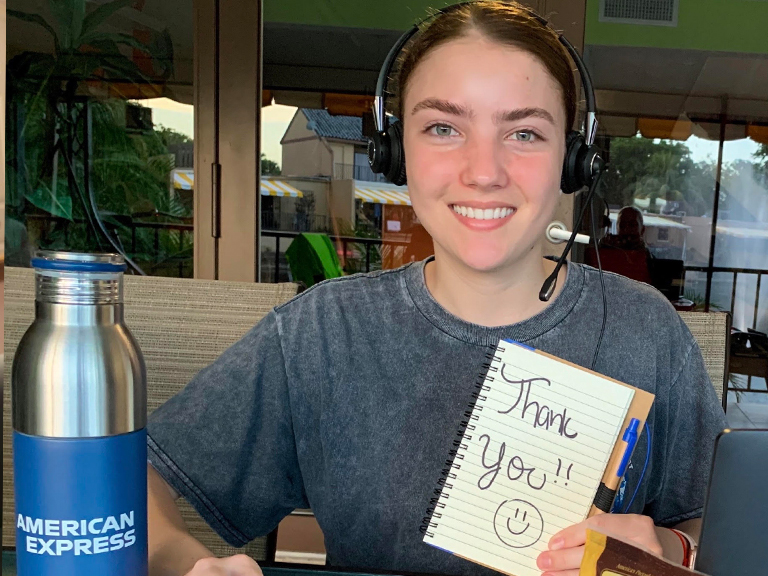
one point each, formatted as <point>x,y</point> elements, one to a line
<point>312,258</point>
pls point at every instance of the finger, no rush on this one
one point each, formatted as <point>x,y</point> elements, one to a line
<point>242,565</point>
<point>208,567</point>
<point>570,537</point>
<point>239,565</point>
<point>576,535</point>
<point>559,560</point>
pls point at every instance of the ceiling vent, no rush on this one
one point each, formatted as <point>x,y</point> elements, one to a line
<point>645,12</point>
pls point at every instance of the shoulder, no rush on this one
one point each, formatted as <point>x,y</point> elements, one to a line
<point>638,314</point>
<point>357,295</point>
<point>628,296</point>
<point>344,287</point>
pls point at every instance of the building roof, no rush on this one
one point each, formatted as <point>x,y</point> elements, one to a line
<point>339,127</point>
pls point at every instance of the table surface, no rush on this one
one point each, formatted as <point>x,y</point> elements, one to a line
<point>9,569</point>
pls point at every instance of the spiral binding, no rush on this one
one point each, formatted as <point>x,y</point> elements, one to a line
<point>469,416</point>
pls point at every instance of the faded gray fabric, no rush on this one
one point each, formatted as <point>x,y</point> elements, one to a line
<point>347,398</point>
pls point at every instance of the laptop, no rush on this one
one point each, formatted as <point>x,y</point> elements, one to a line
<point>734,535</point>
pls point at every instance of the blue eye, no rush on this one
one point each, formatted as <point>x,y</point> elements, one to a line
<point>441,130</point>
<point>525,136</point>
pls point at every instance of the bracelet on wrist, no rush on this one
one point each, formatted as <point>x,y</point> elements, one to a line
<point>689,548</point>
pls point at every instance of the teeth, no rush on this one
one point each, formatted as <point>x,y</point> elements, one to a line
<point>487,214</point>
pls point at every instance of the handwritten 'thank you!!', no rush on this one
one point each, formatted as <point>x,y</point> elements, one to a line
<point>530,460</point>
<point>540,415</point>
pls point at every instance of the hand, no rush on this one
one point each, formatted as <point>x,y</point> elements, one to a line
<point>566,548</point>
<point>240,565</point>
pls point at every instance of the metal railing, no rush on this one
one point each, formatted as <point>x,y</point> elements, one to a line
<point>183,264</point>
<point>736,272</point>
<point>361,260</point>
<point>182,229</point>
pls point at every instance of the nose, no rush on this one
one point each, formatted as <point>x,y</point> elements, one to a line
<point>484,167</point>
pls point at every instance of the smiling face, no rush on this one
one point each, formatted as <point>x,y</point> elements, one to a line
<point>484,137</point>
<point>518,523</point>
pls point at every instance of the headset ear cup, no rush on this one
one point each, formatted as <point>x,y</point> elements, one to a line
<point>379,155</point>
<point>571,180</point>
<point>396,173</point>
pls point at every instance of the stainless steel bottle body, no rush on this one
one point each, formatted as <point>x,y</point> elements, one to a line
<point>78,373</point>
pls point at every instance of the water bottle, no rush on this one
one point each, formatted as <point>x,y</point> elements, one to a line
<point>79,415</point>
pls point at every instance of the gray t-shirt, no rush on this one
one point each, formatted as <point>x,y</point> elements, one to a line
<point>347,400</point>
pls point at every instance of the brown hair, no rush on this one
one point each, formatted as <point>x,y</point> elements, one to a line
<point>503,22</point>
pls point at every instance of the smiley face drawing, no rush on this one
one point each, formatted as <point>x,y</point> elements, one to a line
<point>518,523</point>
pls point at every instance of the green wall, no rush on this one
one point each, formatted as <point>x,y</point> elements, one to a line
<point>719,25</point>
<point>383,14</point>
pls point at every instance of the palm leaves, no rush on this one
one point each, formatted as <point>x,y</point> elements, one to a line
<point>47,95</point>
<point>83,51</point>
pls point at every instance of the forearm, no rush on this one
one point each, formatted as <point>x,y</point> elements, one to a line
<point>173,551</point>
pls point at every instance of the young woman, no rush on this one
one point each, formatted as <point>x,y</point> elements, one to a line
<point>346,399</point>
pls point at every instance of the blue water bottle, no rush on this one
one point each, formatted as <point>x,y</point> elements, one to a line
<point>79,415</point>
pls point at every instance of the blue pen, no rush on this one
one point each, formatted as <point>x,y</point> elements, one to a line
<point>605,494</point>
<point>630,437</point>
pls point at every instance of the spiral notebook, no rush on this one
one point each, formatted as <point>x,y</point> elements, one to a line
<point>529,456</point>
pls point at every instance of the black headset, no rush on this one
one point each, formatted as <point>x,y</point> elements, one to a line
<point>385,148</point>
<point>582,165</point>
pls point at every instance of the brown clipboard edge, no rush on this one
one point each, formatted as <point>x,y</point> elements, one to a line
<point>638,408</point>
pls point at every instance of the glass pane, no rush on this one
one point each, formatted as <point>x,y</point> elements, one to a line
<point>672,184</point>
<point>696,290</point>
<point>316,179</point>
<point>742,230</point>
<point>686,137</point>
<point>99,133</point>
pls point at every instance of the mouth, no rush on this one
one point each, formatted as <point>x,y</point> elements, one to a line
<point>483,218</point>
<point>478,213</point>
<point>521,531</point>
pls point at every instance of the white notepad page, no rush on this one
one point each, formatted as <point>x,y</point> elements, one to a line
<point>530,462</point>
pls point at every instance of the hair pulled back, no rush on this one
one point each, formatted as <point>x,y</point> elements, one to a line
<point>506,23</point>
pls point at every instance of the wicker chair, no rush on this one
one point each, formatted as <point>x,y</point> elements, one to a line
<point>712,330</point>
<point>181,327</point>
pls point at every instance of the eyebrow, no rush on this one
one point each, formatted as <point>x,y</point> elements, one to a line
<point>443,106</point>
<point>459,110</point>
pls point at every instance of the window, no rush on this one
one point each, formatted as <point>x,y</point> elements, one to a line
<point>686,135</point>
<point>99,132</point>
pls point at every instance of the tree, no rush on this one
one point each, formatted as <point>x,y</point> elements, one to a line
<point>50,97</point>
<point>269,167</point>
<point>44,87</point>
<point>761,158</point>
<point>641,168</point>
<point>170,137</point>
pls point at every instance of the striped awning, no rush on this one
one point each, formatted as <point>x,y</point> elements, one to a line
<point>382,193</point>
<point>184,179</point>
<point>272,187</point>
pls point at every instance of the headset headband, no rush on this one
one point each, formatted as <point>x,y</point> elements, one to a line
<point>379,115</point>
